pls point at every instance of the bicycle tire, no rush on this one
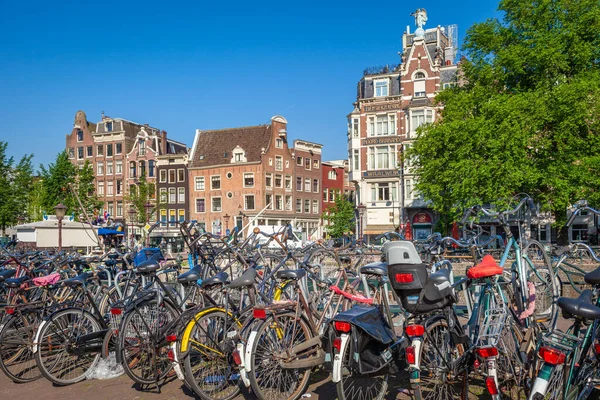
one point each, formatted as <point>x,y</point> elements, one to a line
<point>354,386</point>
<point>541,274</point>
<point>141,360</point>
<point>62,329</point>
<point>17,359</point>
<point>212,376</point>
<point>273,337</point>
<point>435,380</point>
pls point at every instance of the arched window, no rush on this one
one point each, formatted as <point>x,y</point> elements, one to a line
<point>419,75</point>
<point>419,85</point>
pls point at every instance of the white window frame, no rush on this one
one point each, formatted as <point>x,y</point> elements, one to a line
<point>288,183</point>
<point>211,183</point>
<point>163,176</point>
<point>248,175</point>
<point>199,183</point>
<point>212,204</point>
<point>381,87</point>
<point>278,163</point>
<point>181,195</point>
<point>246,202</point>
<point>196,205</point>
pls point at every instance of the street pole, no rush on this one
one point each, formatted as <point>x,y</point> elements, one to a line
<point>401,174</point>
<point>60,211</point>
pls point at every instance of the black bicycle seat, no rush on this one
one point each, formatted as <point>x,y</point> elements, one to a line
<point>16,282</point>
<point>218,279</point>
<point>376,268</point>
<point>78,280</point>
<point>7,273</point>
<point>247,279</point>
<point>593,278</point>
<point>295,274</point>
<point>191,276</point>
<point>148,266</point>
<point>581,306</point>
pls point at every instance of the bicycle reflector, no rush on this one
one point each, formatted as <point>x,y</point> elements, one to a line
<point>343,327</point>
<point>488,351</point>
<point>597,348</point>
<point>337,344</point>
<point>171,338</point>
<point>237,358</point>
<point>9,310</point>
<point>116,311</point>
<point>415,330</point>
<point>490,383</point>
<point>552,356</point>
<point>259,313</point>
<point>404,278</point>
<point>410,354</point>
<point>171,355</point>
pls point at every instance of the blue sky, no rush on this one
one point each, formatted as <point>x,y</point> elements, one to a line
<point>179,66</point>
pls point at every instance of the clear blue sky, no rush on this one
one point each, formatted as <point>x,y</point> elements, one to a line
<point>179,66</point>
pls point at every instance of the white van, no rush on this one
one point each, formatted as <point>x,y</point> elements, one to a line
<point>294,242</point>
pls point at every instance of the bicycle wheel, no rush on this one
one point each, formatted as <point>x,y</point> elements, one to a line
<point>61,357</point>
<point>209,367</point>
<point>17,359</point>
<point>274,340</point>
<point>354,386</point>
<point>438,380</point>
<point>539,272</point>
<point>143,361</point>
<point>511,368</point>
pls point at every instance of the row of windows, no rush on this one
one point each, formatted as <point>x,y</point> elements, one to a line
<point>329,195</point>
<point>110,188</point>
<point>88,151</point>
<point>273,202</point>
<point>172,195</point>
<point>110,208</point>
<point>173,175</point>
<point>173,216</point>
<point>271,181</point>
<point>388,191</point>
<point>385,124</point>
<point>382,86</point>
<point>307,162</point>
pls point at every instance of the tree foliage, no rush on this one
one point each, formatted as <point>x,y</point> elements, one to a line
<point>143,193</point>
<point>15,186</point>
<point>526,118</point>
<point>86,189</point>
<point>340,217</point>
<point>56,179</point>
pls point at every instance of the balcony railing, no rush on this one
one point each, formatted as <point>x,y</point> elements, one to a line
<point>380,69</point>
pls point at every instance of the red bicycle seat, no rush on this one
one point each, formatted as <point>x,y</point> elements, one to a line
<point>486,268</point>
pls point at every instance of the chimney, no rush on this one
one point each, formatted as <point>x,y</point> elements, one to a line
<point>102,115</point>
<point>163,142</point>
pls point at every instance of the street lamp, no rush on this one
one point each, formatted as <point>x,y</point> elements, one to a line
<point>132,212</point>
<point>361,212</point>
<point>401,176</point>
<point>59,210</point>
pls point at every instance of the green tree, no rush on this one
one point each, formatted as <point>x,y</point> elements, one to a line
<point>56,179</point>
<point>139,195</point>
<point>86,189</point>
<point>340,217</point>
<point>526,118</point>
<point>36,198</point>
<point>15,184</point>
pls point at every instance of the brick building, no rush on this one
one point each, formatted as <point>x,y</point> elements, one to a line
<point>307,170</point>
<point>392,102</point>
<point>246,175</point>
<point>335,182</point>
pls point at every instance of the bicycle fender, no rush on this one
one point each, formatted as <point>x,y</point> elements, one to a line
<point>176,364</point>
<point>36,339</point>
<point>185,339</point>
<point>248,351</point>
<point>337,359</point>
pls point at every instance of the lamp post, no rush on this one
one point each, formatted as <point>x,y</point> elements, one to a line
<point>132,214</point>
<point>148,206</point>
<point>361,212</point>
<point>401,175</point>
<point>226,218</point>
<point>59,210</point>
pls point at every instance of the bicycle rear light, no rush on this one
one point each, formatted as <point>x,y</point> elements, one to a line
<point>404,278</point>
<point>237,358</point>
<point>9,310</point>
<point>552,356</point>
<point>337,344</point>
<point>415,330</point>
<point>171,355</point>
<point>490,383</point>
<point>171,338</point>
<point>410,354</point>
<point>488,351</point>
<point>116,311</point>
<point>343,327</point>
<point>259,313</point>
<point>597,348</point>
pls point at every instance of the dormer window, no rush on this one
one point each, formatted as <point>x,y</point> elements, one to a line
<point>279,143</point>
<point>142,147</point>
<point>381,88</point>
<point>79,135</point>
<point>109,126</point>
<point>238,155</point>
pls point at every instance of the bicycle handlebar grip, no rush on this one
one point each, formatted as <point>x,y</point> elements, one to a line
<point>572,218</point>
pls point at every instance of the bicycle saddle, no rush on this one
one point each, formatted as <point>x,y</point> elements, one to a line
<point>16,282</point>
<point>593,278</point>
<point>295,274</point>
<point>191,276</point>
<point>218,279</point>
<point>78,280</point>
<point>149,266</point>
<point>485,269</point>
<point>376,268</point>
<point>247,279</point>
<point>581,306</point>
<point>7,273</point>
